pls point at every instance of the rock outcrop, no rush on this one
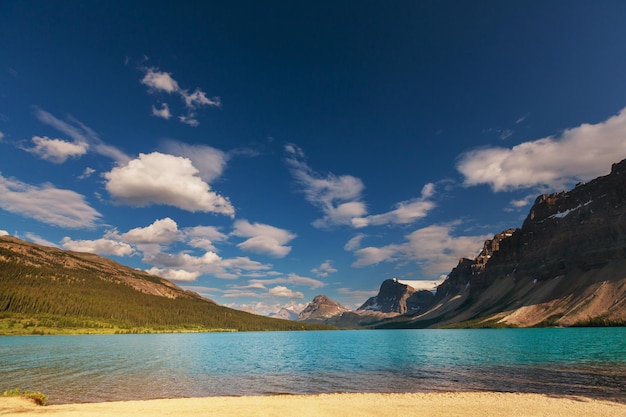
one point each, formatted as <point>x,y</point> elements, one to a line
<point>398,298</point>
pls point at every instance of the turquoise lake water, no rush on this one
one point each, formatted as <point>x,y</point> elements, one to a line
<point>581,361</point>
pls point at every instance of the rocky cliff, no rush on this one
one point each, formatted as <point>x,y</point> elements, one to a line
<point>565,266</point>
<point>395,297</point>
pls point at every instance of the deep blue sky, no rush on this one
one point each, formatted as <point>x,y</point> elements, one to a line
<point>261,153</point>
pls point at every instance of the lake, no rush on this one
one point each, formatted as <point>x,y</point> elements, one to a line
<point>580,361</point>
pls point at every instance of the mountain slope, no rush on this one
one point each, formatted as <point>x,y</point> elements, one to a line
<point>62,289</point>
<point>565,266</point>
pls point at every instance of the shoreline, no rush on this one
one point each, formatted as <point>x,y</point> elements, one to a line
<point>439,404</point>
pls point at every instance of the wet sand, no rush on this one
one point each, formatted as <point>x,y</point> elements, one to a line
<point>465,404</point>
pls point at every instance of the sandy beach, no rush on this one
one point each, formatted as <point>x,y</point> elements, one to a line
<point>479,404</point>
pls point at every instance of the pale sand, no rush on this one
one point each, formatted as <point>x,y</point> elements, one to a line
<point>469,404</point>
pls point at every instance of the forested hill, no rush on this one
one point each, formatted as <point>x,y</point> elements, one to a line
<point>49,290</point>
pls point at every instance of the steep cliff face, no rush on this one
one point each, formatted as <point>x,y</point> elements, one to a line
<point>395,297</point>
<point>566,265</point>
<point>321,308</point>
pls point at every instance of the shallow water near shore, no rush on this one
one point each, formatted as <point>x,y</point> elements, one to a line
<point>578,361</point>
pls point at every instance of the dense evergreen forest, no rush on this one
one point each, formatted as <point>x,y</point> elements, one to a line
<point>54,296</point>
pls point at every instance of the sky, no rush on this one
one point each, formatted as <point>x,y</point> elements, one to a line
<point>263,152</point>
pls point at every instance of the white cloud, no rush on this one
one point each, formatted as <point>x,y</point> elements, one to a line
<point>354,243</point>
<point>202,237</point>
<point>161,231</point>
<point>1,136</point>
<point>189,120</point>
<point>160,81</point>
<point>337,196</point>
<point>404,213</point>
<point>82,134</point>
<point>523,202</point>
<point>98,246</point>
<point>163,112</point>
<point>291,278</point>
<point>198,98</point>
<point>64,208</point>
<point>57,150</point>
<point>280,291</point>
<point>324,269</point>
<point>209,161</point>
<point>86,173</point>
<point>210,263</point>
<point>158,178</point>
<point>577,154</point>
<point>263,238</point>
<point>433,248</point>
<point>174,274</point>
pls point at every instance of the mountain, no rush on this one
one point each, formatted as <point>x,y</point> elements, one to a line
<point>285,314</point>
<point>321,308</point>
<point>566,266</point>
<point>49,290</point>
<point>395,297</point>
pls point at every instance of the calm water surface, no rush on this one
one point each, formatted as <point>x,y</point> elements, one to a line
<point>581,361</point>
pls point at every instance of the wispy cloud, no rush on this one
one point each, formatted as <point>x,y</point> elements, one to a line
<point>577,154</point>
<point>57,150</point>
<point>337,196</point>
<point>405,212</point>
<point>47,204</point>
<point>161,81</point>
<point>82,136</point>
<point>39,240</point>
<point>292,279</point>
<point>88,172</point>
<point>522,118</point>
<point>163,112</point>
<point>340,197</point>
<point>99,246</point>
<point>354,243</point>
<point>158,178</point>
<point>433,248</point>
<point>324,269</point>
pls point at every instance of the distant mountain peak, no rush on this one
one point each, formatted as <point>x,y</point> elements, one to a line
<point>321,307</point>
<point>396,297</point>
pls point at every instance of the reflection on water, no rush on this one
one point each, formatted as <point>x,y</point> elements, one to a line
<point>590,362</point>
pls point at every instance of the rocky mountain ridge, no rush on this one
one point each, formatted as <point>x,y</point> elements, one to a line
<point>565,266</point>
